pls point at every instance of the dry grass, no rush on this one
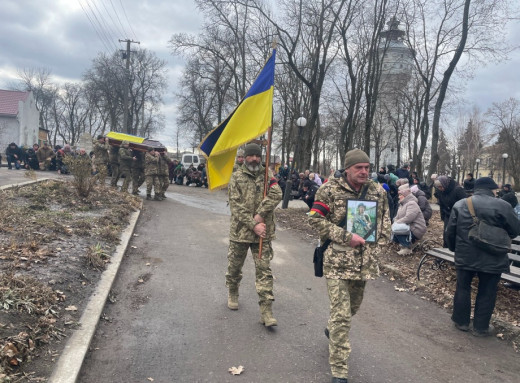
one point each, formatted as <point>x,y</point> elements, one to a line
<point>53,244</point>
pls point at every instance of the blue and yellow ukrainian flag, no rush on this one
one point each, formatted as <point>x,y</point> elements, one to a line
<point>250,119</point>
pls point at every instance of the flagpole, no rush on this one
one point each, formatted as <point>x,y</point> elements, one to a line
<point>266,178</point>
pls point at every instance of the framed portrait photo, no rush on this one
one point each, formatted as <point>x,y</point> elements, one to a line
<point>362,219</point>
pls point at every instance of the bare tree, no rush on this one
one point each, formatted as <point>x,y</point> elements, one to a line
<point>441,32</point>
<point>505,118</point>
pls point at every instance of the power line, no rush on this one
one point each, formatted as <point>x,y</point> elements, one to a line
<point>128,21</point>
<point>107,48</point>
<point>112,19</point>
<point>118,19</point>
<point>107,35</point>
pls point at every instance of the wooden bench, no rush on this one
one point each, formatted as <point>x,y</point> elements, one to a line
<point>442,257</point>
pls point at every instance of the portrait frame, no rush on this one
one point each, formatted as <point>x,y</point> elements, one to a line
<point>362,219</point>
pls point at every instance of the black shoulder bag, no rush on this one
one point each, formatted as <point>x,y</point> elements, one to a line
<point>320,250</point>
<point>492,239</point>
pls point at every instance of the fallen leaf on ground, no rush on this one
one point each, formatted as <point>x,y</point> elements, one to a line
<point>400,288</point>
<point>71,308</point>
<point>140,280</point>
<point>148,264</point>
<point>236,370</point>
<point>133,247</point>
<point>150,379</point>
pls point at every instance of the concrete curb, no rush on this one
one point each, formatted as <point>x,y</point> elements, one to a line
<point>69,364</point>
<point>24,183</point>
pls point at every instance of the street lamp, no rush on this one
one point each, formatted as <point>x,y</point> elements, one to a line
<point>458,174</point>
<point>478,163</point>
<point>504,156</point>
<point>300,123</point>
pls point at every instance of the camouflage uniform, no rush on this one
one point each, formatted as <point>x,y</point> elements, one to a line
<point>346,268</point>
<point>151,168</point>
<point>164,171</point>
<point>113,156</point>
<point>101,158</point>
<point>245,201</point>
<point>137,172</point>
<point>126,158</point>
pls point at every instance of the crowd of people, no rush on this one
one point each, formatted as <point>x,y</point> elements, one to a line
<point>134,167</point>
<point>400,208</point>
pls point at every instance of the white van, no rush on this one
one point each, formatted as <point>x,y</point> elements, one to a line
<point>190,158</point>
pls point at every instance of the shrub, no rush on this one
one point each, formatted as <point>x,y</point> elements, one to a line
<point>81,170</point>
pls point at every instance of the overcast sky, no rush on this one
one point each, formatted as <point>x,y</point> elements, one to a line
<point>58,35</point>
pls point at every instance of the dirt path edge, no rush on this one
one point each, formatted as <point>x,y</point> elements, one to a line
<point>69,364</point>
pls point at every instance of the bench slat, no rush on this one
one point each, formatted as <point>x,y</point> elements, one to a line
<point>447,255</point>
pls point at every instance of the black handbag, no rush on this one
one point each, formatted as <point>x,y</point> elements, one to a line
<point>493,239</point>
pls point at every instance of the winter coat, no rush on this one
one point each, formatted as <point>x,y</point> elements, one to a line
<point>16,150</point>
<point>424,205</point>
<point>402,173</point>
<point>448,197</point>
<point>493,211</point>
<point>409,212</point>
<point>246,199</point>
<point>340,260</point>
<point>44,153</point>
<point>469,185</point>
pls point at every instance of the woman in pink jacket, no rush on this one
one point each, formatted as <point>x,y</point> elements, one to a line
<point>410,213</point>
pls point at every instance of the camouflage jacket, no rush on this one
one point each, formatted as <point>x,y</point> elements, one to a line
<point>100,152</point>
<point>246,190</point>
<point>164,160</point>
<point>126,157</point>
<point>138,164</point>
<point>151,165</point>
<point>340,260</point>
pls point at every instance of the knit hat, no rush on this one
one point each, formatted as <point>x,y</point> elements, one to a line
<point>355,156</point>
<point>307,183</point>
<point>485,183</point>
<point>252,149</point>
<point>404,189</point>
<point>402,181</point>
<point>240,153</point>
<point>414,189</point>
<point>125,142</point>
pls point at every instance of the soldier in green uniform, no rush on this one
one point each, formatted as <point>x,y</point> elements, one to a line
<point>126,158</point>
<point>361,223</point>
<point>137,172</point>
<point>113,157</point>
<point>349,261</point>
<point>100,148</point>
<point>239,160</point>
<point>151,170</point>
<point>163,172</point>
<point>252,218</point>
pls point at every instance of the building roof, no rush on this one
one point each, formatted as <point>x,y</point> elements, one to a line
<point>9,100</point>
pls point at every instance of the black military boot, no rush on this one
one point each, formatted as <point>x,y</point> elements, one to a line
<point>339,380</point>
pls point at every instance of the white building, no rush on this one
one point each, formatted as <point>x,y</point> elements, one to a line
<point>19,119</point>
<point>397,60</point>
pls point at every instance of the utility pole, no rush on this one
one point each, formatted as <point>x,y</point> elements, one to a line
<point>126,56</point>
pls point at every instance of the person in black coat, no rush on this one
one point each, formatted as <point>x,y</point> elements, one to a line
<point>448,193</point>
<point>469,184</point>
<point>471,260</point>
<point>309,189</point>
<point>403,172</point>
<point>14,156</point>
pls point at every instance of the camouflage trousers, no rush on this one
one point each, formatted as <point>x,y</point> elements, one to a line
<point>115,174</point>
<point>345,298</point>
<point>165,182</point>
<point>125,172</point>
<point>152,181</point>
<point>264,277</point>
<point>102,172</point>
<point>137,179</point>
